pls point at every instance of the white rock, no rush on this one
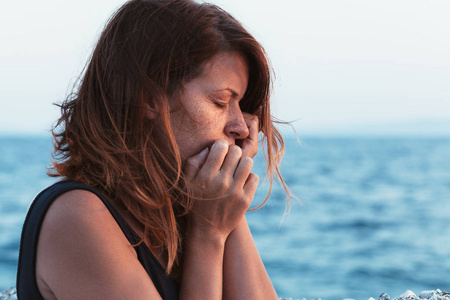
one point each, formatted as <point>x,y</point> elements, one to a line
<point>371,298</point>
<point>427,294</point>
<point>10,294</point>
<point>409,295</point>
<point>384,296</point>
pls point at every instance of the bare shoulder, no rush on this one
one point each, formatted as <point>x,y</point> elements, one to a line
<point>74,211</point>
<point>79,204</point>
<point>82,253</point>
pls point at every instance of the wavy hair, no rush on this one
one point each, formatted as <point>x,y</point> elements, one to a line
<point>104,137</point>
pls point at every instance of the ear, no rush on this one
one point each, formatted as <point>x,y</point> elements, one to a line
<point>150,112</point>
<point>151,109</point>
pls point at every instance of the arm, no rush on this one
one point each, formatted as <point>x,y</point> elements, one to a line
<point>224,187</point>
<point>244,274</point>
<point>83,254</point>
<point>203,268</point>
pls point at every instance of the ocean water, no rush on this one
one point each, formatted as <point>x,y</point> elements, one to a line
<point>374,214</point>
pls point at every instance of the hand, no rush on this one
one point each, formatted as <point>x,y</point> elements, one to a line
<point>221,180</point>
<point>249,145</point>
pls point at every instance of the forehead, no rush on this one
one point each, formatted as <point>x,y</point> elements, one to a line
<point>225,71</point>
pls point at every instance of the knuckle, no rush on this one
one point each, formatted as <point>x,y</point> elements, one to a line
<point>247,161</point>
<point>191,167</point>
<point>244,201</point>
<point>191,161</point>
<point>235,150</point>
<point>203,177</point>
<point>226,185</point>
<point>223,186</point>
<point>255,177</point>
<point>237,195</point>
<point>241,195</point>
<point>251,118</point>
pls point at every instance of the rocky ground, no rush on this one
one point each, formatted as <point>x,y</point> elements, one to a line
<point>9,294</point>
<point>408,295</point>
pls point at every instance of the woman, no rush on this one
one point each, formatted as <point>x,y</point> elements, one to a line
<point>155,150</point>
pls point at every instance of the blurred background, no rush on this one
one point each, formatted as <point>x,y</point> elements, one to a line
<point>366,84</point>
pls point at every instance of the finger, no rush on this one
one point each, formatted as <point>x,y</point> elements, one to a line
<point>231,160</point>
<point>242,171</point>
<point>252,122</point>
<point>250,144</point>
<point>251,185</point>
<point>194,163</point>
<point>215,158</point>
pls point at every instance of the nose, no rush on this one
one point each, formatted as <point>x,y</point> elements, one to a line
<point>236,128</point>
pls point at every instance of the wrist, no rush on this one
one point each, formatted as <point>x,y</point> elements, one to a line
<point>206,237</point>
<point>241,232</point>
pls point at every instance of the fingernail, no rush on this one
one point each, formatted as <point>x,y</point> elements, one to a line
<point>203,154</point>
<point>222,142</point>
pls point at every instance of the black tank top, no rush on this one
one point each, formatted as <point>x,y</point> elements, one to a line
<point>26,275</point>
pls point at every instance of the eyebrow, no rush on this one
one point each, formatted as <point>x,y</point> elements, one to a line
<point>233,92</point>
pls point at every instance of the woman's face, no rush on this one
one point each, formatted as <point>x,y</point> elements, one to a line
<point>210,105</point>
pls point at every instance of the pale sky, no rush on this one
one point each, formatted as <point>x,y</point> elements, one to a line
<point>341,65</point>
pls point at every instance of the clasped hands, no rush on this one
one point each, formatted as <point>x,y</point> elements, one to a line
<point>222,184</point>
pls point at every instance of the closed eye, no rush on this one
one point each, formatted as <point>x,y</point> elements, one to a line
<point>219,104</point>
<point>220,100</point>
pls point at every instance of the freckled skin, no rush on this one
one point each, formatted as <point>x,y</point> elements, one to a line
<point>210,106</point>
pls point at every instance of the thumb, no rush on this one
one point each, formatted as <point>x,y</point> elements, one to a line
<point>194,163</point>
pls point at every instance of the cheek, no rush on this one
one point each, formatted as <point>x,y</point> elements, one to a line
<point>204,135</point>
<point>207,121</point>
<point>192,137</point>
<point>207,132</point>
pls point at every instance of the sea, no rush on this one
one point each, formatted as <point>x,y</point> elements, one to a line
<point>371,214</point>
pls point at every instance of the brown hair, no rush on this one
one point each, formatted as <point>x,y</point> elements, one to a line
<point>105,138</point>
